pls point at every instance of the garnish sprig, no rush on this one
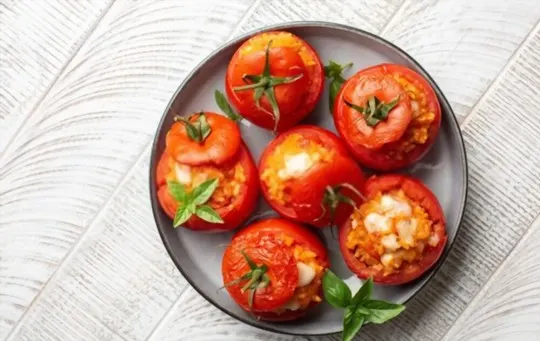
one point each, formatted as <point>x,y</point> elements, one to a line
<point>194,202</point>
<point>360,308</point>
<point>334,72</point>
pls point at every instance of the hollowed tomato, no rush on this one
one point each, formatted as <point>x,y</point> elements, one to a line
<point>273,268</point>
<point>206,176</point>
<point>275,79</point>
<point>307,175</point>
<point>397,234</point>
<point>388,116</point>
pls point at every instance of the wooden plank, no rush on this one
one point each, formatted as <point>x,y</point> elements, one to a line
<point>119,280</point>
<point>503,203</point>
<point>80,142</point>
<point>509,305</point>
<point>463,44</point>
<point>37,39</point>
<point>196,320</point>
<point>348,12</point>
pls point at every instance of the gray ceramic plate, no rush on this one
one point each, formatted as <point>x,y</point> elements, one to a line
<point>198,256</point>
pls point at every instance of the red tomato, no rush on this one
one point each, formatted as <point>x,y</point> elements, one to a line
<point>410,127</point>
<point>416,192</point>
<point>233,214</point>
<point>265,243</point>
<point>306,191</point>
<point>219,147</point>
<point>289,56</point>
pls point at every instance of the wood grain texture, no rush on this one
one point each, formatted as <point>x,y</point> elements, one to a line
<point>463,44</point>
<point>89,129</point>
<point>349,12</point>
<point>508,307</point>
<point>503,203</point>
<point>119,280</point>
<point>37,38</point>
<point>194,319</point>
<point>78,144</point>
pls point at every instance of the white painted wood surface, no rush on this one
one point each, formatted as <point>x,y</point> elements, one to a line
<point>83,85</point>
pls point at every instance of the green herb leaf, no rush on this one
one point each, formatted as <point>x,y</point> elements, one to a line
<point>352,322</point>
<point>208,214</point>
<point>364,293</point>
<point>224,105</point>
<point>358,309</point>
<point>177,191</point>
<point>334,72</point>
<point>336,292</point>
<point>381,311</point>
<point>335,86</point>
<point>192,203</point>
<point>204,191</point>
<point>182,215</point>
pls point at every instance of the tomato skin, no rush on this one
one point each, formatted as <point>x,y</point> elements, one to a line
<point>307,191</point>
<point>351,124</point>
<point>234,215</point>
<point>416,191</point>
<point>381,158</point>
<point>262,248</point>
<point>219,147</point>
<point>296,100</point>
<point>299,233</point>
<point>276,227</point>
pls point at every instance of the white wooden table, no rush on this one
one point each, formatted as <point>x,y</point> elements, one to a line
<point>83,84</point>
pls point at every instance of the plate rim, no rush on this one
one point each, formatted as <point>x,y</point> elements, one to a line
<point>285,26</point>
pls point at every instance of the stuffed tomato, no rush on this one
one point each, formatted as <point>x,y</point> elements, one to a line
<point>397,234</point>
<point>388,116</point>
<point>307,175</point>
<point>273,268</point>
<point>206,177</point>
<point>275,79</point>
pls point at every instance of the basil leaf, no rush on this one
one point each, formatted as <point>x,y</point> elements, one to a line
<point>352,322</point>
<point>208,214</point>
<point>335,86</point>
<point>177,191</point>
<point>204,127</point>
<point>224,105</point>
<point>191,207</point>
<point>336,292</point>
<point>334,70</point>
<point>364,293</point>
<point>182,215</point>
<point>204,191</point>
<point>381,311</point>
